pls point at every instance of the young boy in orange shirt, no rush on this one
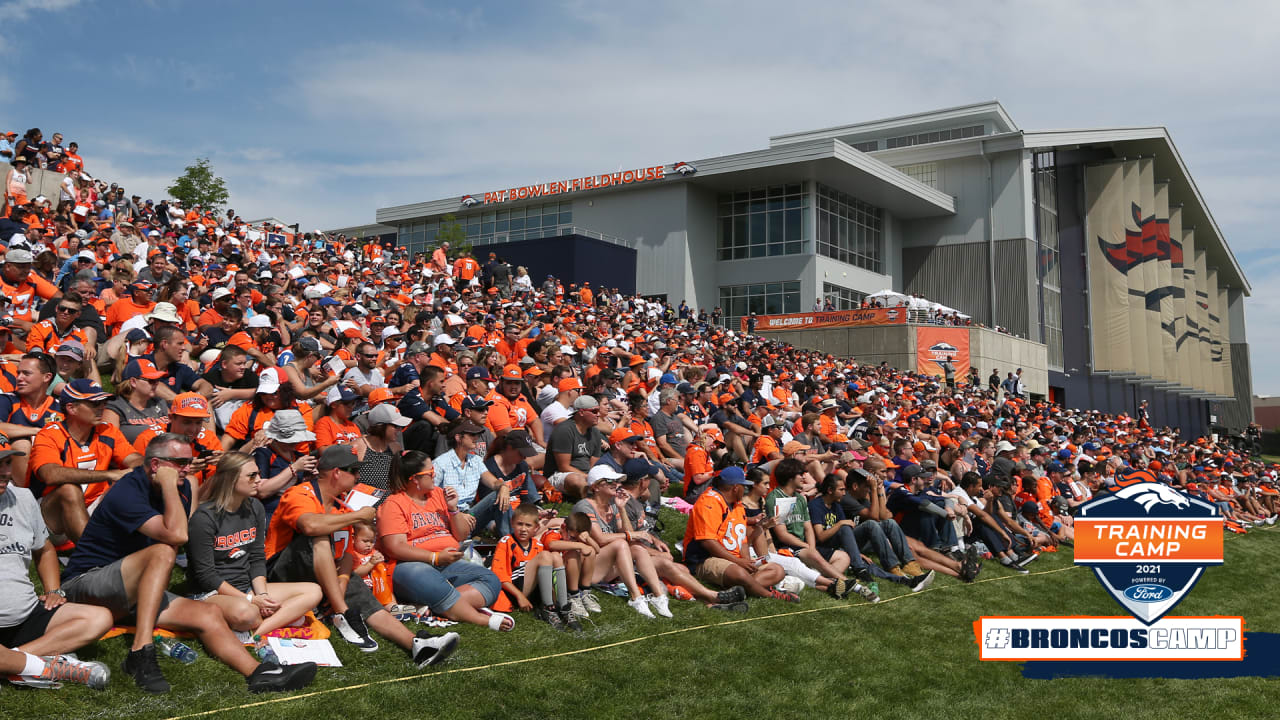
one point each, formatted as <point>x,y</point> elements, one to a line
<point>521,558</point>
<point>573,541</point>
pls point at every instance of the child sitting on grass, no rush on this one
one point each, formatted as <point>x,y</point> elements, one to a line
<point>573,541</point>
<point>364,561</point>
<point>522,564</point>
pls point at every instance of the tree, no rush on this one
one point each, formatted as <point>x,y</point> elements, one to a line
<point>199,186</point>
<point>454,233</point>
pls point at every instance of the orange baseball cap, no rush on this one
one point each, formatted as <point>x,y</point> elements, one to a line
<point>190,404</point>
<point>380,395</point>
<point>512,372</point>
<point>569,383</point>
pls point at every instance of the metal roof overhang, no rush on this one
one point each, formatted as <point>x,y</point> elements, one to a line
<point>832,163</point>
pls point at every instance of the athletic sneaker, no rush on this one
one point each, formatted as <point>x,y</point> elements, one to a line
<point>784,596</point>
<point>577,608</point>
<point>920,582</point>
<point>735,594</point>
<point>571,622</point>
<point>1272,520</point>
<point>549,616</point>
<point>432,649</point>
<point>733,607</point>
<point>838,589</point>
<point>66,668</point>
<point>589,601</point>
<point>971,565</point>
<point>271,677</point>
<point>1010,565</point>
<point>141,665</point>
<point>1026,560</point>
<point>352,629</point>
<point>661,604</point>
<point>867,593</point>
<point>641,606</point>
<point>402,610</point>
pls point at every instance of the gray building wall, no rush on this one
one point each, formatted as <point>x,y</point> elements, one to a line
<point>656,218</point>
<point>947,260</point>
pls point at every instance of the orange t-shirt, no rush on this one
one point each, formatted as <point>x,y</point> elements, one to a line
<point>696,462</point>
<point>301,499</point>
<point>121,311</point>
<point>331,432</point>
<point>425,524</point>
<point>22,297</point>
<point>44,336</point>
<point>764,446</point>
<point>53,445</point>
<point>508,564</point>
<point>713,519</point>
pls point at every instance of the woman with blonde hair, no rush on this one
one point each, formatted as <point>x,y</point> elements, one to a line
<point>226,547</point>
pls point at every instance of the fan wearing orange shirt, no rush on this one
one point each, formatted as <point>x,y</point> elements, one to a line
<point>47,335</point>
<point>698,467</point>
<point>139,302</point>
<point>511,411</point>
<point>767,446</point>
<point>22,287</point>
<point>716,538</point>
<point>523,564</point>
<point>337,428</point>
<point>75,460</point>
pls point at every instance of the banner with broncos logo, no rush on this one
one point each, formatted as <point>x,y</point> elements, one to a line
<point>1178,279</point>
<point>1132,207</point>
<point>1145,262</point>
<point>1108,260</point>
<point>1164,284</point>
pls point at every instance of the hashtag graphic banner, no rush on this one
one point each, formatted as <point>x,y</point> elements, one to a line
<point>1021,639</point>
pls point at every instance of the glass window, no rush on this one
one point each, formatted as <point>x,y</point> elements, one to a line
<point>841,298</point>
<point>763,299</point>
<point>849,230</point>
<point>762,222</point>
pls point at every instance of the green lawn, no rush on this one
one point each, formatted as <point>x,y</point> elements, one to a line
<point>910,656</point>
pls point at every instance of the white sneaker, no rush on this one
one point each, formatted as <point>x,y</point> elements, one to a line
<point>589,601</point>
<point>66,668</point>
<point>641,606</point>
<point>660,603</point>
<point>577,608</point>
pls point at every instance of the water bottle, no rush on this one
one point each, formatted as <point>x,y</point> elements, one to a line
<point>264,652</point>
<point>174,649</point>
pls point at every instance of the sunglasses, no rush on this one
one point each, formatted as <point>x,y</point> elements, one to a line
<point>180,462</point>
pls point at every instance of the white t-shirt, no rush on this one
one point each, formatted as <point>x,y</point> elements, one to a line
<point>553,415</point>
<point>23,532</point>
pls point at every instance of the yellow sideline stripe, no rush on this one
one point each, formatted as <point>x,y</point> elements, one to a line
<point>620,643</point>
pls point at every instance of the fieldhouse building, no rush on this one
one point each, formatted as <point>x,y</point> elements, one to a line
<point>1096,243</point>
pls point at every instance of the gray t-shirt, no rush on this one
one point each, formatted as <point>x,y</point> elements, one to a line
<point>581,448</point>
<point>22,530</point>
<point>670,427</point>
<point>227,546</point>
<point>610,524</point>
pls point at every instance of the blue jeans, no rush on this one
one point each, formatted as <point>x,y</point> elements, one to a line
<point>421,583</point>
<point>887,541</point>
<point>935,531</point>
<point>844,540</point>
<point>485,510</point>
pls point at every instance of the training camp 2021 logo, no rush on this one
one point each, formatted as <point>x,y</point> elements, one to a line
<point>1148,544</point>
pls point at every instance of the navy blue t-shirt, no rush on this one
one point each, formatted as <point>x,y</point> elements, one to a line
<point>112,532</point>
<point>404,375</point>
<point>182,378</point>
<point>269,465</point>
<point>823,516</point>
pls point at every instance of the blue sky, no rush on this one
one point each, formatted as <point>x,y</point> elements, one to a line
<point>320,112</point>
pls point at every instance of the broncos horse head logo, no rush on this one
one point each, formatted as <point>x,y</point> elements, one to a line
<point>1150,494</point>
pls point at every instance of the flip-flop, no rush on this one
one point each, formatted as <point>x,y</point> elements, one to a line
<point>496,620</point>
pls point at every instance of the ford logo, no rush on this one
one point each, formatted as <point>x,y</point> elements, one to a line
<point>1148,593</point>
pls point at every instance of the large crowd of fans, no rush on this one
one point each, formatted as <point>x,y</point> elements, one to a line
<point>329,433</point>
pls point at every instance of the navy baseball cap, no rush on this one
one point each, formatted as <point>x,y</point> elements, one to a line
<point>478,372</point>
<point>733,475</point>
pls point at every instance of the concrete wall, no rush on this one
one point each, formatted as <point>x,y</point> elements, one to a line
<point>989,349</point>
<point>40,182</point>
<point>896,345</point>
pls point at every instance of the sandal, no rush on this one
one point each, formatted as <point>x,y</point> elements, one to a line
<point>497,620</point>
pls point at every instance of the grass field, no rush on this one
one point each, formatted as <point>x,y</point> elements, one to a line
<point>910,656</point>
